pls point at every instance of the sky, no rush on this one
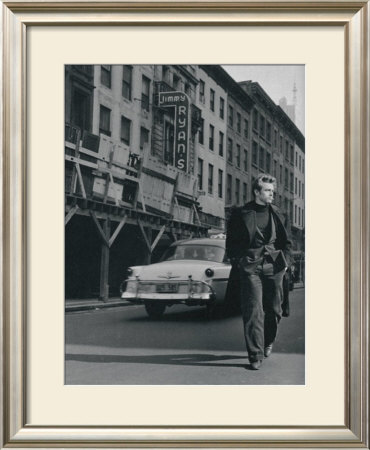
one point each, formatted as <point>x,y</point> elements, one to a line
<point>277,81</point>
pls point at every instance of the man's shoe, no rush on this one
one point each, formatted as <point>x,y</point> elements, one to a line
<point>255,365</point>
<point>268,350</point>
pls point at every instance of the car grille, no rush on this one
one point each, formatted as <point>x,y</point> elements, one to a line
<point>179,287</point>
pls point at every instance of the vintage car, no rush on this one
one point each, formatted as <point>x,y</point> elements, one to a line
<point>191,272</point>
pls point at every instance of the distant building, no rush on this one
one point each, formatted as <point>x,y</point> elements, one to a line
<point>275,140</point>
<point>211,150</point>
<point>288,109</point>
<point>236,113</point>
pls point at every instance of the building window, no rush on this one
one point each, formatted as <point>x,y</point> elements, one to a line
<point>176,83</point>
<point>221,144</point>
<point>291,211</point>
<point>245,190</point>
<point>274,170</point>
<point>210,179</point>
<point>255,119</point>
<point>262,126</point>
<point>287,150</point>
<point>220,181</point>
<point>188,90</point>
<point>292,182</point>
<point>229,188</point>
<point>238,123</point>
<point>200,174</point>
<point>212,99</point>
<point>127,82</point>
<point>296,159</point>
<point>230,150</point>
<point>302,165</point>
<point>238,155</point>
<point>231,116</point>
<point>268,162</point>
<point>246,128</point>
<point>281,174</point>
<point>211,137</point>
<point>291,154</point>
<point>237,191</point>
<point>262,159</point>
<point>201,132</point>
<point>275,138</point>
<point>255,153</point>
<point>166,74</point>
<point>81,110</point>
<point>222,108</point>
<point>144,137</point>
<point>125,130</point>
<point>169,136</point>
<point>295,213</point>
<point>245,160</point>
<point>201,91</point>
<point>303,191</point>
<point>281,144</point>
<point>145,93</point>
<point>268,132</point>
<point>104,120</point>
<point>299,190</point>
<point>299,216</point>
<point>295,186</point>
<point>286,179</point>
<point>253,180</point>
<point>106,76</point>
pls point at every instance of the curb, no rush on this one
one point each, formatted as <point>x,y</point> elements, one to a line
<point>96,305</point>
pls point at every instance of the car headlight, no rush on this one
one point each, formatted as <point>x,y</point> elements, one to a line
<point>131,286</point>
<point>200,288</point>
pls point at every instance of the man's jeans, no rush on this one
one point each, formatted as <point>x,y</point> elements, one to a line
<point>261,297</point>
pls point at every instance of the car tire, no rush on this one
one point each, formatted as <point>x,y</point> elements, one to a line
<point>155,310</point>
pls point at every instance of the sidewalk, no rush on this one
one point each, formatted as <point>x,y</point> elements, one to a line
<point>72,305</point>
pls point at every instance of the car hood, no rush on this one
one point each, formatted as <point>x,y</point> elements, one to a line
<point>175,270</point>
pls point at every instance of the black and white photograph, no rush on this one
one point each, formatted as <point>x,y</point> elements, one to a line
<point>184,224</point>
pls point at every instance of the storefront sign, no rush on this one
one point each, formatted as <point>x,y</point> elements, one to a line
<point>181,103</point>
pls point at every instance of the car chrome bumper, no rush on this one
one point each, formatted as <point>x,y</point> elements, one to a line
<point>172,298</point>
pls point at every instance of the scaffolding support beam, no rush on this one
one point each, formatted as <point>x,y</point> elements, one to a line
<point>104,264</point>
<point>146,238</point>
<point>148,255</point>
<point>74,172</point>
<point>70,214</point>
<point>156,240</point>
<point>117,230</point>
<point>101,232</point>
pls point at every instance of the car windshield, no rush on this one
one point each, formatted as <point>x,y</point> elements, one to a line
<point>195,251</point>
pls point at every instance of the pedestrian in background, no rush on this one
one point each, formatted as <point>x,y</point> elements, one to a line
<point>258,246</point>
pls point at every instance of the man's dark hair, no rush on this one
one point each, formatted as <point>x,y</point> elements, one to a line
<point>262,178</point>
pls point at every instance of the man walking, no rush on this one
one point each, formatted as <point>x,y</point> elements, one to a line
<point>258,246</point>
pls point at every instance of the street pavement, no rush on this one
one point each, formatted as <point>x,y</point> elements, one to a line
<point>121,345</point>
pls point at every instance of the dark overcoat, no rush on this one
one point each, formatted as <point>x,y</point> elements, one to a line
<point>241,229</point>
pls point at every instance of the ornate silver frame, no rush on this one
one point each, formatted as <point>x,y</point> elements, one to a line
<point>354,16</point>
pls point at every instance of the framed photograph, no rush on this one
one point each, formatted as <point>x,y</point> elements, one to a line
<point>132,129</point>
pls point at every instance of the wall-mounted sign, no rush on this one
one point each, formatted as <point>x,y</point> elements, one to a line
<point>181,103</point>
